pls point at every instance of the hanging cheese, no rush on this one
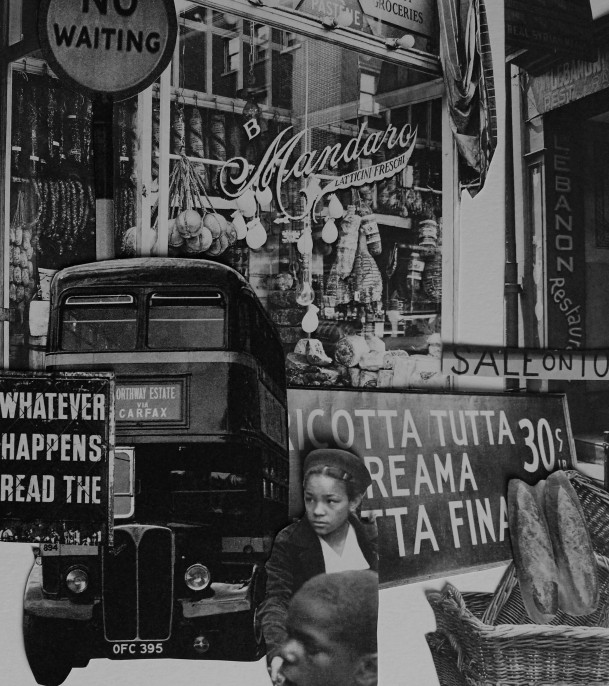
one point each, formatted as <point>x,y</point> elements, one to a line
<point>316,354</point>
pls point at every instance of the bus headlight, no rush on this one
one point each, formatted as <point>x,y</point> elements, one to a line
<point>197,577</point>
<point>77,580</point>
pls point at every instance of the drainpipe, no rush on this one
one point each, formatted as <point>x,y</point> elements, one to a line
<point>511,285</point>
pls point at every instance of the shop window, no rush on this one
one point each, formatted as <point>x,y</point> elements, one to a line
<point>125,174</point>
<point>373,273</point>
<point>190,321</point>
<point>420,119</point>
<point>377,283</point>
<point>52,204</point>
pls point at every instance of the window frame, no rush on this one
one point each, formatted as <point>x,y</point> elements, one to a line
<point>131,492</point>
<point>175,294</point>
<point>65,302</point>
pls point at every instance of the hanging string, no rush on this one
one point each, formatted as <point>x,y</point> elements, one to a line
<point>181,59</point>
<point>251,77</point>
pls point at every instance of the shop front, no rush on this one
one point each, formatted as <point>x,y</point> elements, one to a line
<point>341,230</point>
<point>310,147</point>
<point>564,148</point>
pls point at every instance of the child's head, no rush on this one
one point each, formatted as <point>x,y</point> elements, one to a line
<point>334,483</point>
<point>331,628</point>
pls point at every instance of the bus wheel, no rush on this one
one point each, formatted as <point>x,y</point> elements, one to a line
<point>258,635</point>
<point>258,592</point>
<point>46,650</point>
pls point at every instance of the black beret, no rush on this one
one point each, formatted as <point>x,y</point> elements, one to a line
<point>342,460</point>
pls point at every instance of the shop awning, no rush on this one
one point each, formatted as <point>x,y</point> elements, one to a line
<point>467,66</point>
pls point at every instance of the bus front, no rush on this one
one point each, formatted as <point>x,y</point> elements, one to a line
<point>200,470</point>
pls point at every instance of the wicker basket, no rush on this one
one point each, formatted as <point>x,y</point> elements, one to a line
<point>493,641</point>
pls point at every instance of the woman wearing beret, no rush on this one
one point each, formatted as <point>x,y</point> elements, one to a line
<point>329,538</point>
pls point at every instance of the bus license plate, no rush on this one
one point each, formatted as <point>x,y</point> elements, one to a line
<point>135,649</point>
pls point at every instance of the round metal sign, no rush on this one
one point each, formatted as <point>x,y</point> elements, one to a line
<point>116,47</point>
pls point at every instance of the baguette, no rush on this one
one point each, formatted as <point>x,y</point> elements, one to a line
<point>540,490</point>
<point>533,556</point>
<point>578,591</point>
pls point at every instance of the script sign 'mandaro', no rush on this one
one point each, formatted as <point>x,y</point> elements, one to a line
<point>118,47</point>
<point>56,433</point>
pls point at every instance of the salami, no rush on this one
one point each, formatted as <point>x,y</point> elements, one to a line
<point>196,141</point>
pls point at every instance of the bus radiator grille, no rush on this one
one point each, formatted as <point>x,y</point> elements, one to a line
<point>138,584</point>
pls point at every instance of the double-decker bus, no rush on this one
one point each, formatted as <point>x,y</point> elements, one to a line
<point>200,467</point>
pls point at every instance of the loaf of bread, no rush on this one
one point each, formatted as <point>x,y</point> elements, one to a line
<point>578,590</point>
<point>540,490</point>
<point>533,556</point>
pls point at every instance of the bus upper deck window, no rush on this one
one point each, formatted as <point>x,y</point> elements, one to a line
<point>98,322</point>
<point>186,320</point>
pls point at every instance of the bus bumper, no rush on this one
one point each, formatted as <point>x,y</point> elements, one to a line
<point>226,599</point>
<point>219,627</point>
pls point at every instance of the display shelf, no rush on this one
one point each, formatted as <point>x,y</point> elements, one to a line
<point>212,202</point>
<point>427,313</point>
<point>426,251</point>
<point>426,189</point>
<point>394,220</point>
